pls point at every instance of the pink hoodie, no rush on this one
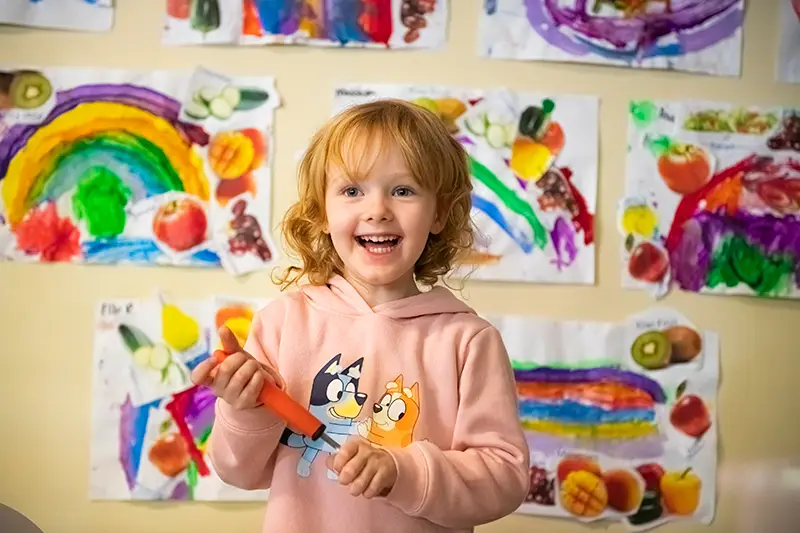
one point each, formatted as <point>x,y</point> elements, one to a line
<point>424,377</point>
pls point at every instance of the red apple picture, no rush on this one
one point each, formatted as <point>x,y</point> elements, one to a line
<point>648,263</point>
<point>690,416</point>
<point>796,6</point>
<point>180,224</point>
<point>652,474</point>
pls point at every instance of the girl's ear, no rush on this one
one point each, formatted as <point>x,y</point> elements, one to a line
<point>438,225</point>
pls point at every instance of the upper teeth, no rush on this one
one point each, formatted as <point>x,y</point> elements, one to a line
<point>377,238</point>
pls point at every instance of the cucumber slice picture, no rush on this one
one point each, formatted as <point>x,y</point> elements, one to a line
<point>196,110</point>
<point>207,94</point>
<point>232,96</point>
<point>251,98</point>
<point>477,125</point>
<point>511,133</point>
<point>160,357</point>
<point>496,136</point>
<point>220,108</point>
<point>142,356</point>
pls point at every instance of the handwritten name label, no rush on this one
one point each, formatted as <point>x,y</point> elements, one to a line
<point>109,309</point>
<point>659,323</point>
<point>662,113</point>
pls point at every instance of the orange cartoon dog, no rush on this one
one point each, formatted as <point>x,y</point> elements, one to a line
<point>393,416</point>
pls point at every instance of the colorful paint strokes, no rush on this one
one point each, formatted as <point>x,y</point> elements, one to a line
<point>533,159</point>
<point>71,15</point>
<point>328,23</point>
<point>690,35</point>
<point>712,200</point>
<point>151,425</point>
<point>788,66</point>
<point>609,438</point>
<point>111,166</point>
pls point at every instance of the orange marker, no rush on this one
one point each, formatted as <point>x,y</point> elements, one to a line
<point>296,416</point>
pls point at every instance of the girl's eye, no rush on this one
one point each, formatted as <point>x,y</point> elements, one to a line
<point>350,191</point>
<point>403,191</point>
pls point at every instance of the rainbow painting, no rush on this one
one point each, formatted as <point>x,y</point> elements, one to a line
<point>712,201</point>
<point>698,36</point>
<point>602,409</point>
<point>101,166</point>
<point>607,412</point>
<point>533,159</point>
<point>382,24</point>
<point>151,425</point>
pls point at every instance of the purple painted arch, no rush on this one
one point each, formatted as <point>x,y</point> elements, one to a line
<point>698,24</point>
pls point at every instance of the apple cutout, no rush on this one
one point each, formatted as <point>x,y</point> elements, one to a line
<point>690,416</point>
<point>648,263</point>
<point>180,224</point>
<point>796,6</point>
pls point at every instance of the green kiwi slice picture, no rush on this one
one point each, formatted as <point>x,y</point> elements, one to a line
<point>652,350</point>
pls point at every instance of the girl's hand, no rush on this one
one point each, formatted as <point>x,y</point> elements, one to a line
<point>238,380</point>
<point>367,470</point>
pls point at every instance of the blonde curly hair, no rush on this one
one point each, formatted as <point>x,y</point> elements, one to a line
<point>435,159</point>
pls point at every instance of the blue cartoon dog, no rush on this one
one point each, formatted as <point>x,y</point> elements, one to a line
<point>336,402</point>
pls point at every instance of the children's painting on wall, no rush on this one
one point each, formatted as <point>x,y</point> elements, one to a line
<point>329,23</point>
<point>150,424</point>
<point>155,168</point>
<point>533,159</point>
<point>620,417</point>
<point>788,66</point>
<point>71,15</point>
<point>703,36</point>
<point>712,199</point>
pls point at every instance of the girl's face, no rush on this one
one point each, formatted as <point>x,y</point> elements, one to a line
<point>380,225</point>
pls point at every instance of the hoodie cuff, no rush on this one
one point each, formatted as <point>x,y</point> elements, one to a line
<point>411,487</point>
<point>256,420</point>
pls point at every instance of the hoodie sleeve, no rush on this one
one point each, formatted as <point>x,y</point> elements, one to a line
<point>484,476</point>
<point>243,442</point>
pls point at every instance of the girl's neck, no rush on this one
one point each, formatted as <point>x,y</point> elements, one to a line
<point>380,294</point>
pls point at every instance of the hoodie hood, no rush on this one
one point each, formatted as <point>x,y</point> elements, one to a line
<point>339,296</point>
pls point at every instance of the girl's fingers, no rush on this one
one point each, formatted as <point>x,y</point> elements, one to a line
<point>353,468</point>
<point>252,391</point>
<point>239,380</point>
<point>201,375</point>
<point>364,479</point>
<point>376,485</point>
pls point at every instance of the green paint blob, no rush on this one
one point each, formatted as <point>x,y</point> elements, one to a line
<point>643,112</point>
<point>100,200</point>
<point>737,261</point>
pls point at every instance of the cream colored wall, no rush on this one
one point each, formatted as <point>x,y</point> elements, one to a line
<point>46,328</point>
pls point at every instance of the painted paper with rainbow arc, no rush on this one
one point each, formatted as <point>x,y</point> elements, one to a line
<point>102,169</point>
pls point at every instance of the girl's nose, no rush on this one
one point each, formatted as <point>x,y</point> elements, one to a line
<point>378,209</point>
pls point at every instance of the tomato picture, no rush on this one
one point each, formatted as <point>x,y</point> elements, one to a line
<point>684,168</point>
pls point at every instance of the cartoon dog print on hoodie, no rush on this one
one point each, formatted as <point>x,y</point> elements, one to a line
<point>394,416</point>
<point>336,402</point>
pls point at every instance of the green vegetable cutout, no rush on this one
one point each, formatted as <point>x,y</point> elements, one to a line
<point>204,15</point>
<point>658,145</point>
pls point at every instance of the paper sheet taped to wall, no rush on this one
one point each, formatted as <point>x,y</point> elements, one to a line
<point>703,36</point>
<point>712,199</point>
<point>533,159</point>
<point>146,168</point>
<point>620,417</point>
<point>73,15</point>
<point>150,424</point>
<point>388,24</point>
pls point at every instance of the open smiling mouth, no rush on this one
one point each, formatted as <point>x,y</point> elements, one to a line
<point>378,244</point>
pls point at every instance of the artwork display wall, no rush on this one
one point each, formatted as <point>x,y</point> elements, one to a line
<point>701,36</point>
<point>533,159</point>
<point>620,417</point>
<point>712,199</point>
<point>389,24</point>
<point>148,168</point>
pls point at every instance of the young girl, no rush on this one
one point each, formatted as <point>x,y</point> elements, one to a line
<point>416,388</point>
